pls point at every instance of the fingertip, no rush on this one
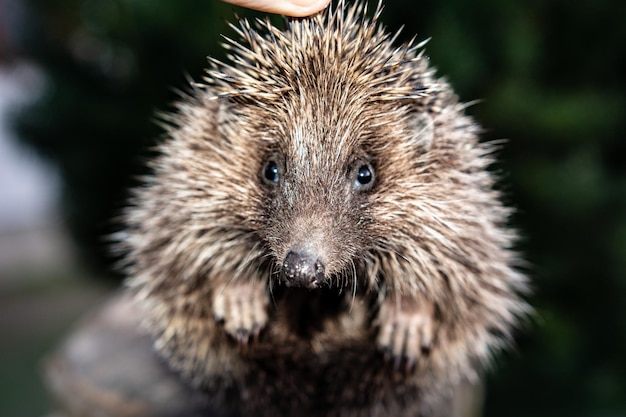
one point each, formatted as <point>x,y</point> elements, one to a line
<point>294,8</point>
<point>302,8</point>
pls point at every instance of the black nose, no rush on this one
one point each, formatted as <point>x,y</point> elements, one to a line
<point>302,270</point>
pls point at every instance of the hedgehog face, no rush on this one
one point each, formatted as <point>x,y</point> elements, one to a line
<point>317,184</point>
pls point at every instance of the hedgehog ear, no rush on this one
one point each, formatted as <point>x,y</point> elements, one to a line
<point>423,129</point>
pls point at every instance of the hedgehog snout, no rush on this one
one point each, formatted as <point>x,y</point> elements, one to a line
<point>302,269</point>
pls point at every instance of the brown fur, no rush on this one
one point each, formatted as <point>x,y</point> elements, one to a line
<point>420,285</point>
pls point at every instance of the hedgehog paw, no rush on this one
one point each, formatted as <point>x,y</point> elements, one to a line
<point>242,308</point>
<point>405,330</point>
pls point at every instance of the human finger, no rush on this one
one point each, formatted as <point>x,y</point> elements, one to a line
<point>296,8</point>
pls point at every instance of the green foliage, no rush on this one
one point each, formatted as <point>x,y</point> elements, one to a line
<point>551,79</point>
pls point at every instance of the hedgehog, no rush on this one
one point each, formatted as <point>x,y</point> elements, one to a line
<point>321,233</point>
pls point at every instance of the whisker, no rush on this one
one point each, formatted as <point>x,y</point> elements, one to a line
<point>271,283</point>
<point>354,284</point>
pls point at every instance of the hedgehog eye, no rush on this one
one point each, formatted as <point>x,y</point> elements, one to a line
<point>271,172</point>
<point>364,177</point>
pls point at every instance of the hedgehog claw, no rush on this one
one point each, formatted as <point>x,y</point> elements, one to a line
<point>242,336</point>
<point>397,361</point>
<point>409,365</point>
<point>242,308</point>
<point>405,331</point>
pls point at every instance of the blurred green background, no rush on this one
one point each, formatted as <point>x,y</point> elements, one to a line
<point>551,76</point>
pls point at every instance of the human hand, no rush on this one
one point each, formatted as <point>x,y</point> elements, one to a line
<point>296,8</point>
